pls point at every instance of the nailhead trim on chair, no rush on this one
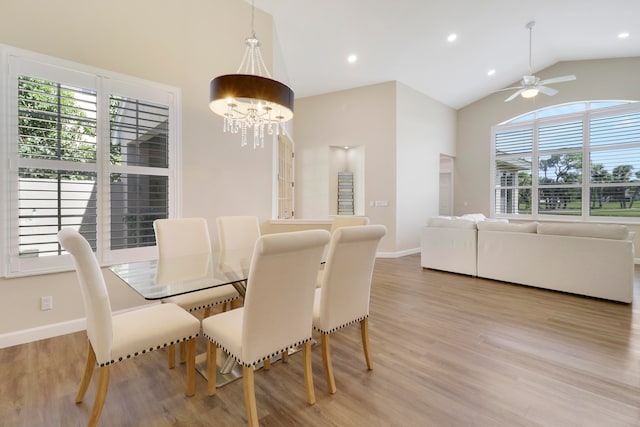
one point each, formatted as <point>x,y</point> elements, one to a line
<point>212,304</point>
<point>332,330</point>
<point>240,362</point>
<point>129,356</point>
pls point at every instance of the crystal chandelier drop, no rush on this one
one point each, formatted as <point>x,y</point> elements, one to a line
<point>250,99</point>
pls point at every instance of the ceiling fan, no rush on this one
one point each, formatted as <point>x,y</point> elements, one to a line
<point>530,85</point>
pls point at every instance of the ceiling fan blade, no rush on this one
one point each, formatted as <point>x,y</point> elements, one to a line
<point>557,79</point>
<point>506,88</point>
<point>516,93</point>
<point>547,90</point>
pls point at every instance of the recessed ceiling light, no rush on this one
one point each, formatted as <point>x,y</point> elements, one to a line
<point>623,35</point>
<point>346,147</point>
<point>352,58</point>
<point>452,37</point>
<point>491,72</point>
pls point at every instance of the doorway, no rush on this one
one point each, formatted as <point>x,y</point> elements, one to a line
<point>445,205</point>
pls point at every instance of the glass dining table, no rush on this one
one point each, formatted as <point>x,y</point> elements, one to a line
<point>158,279</point>
<point>163,278</point>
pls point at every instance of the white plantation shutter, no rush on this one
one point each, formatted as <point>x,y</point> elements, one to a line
<point>560,168</point>
<point>513,153</point>
<point>585,157</point>
<point>139,132</point>
<point>614,130</point>
<point>57,164</point>
<point>86,150</point>
<point>614,159</point>
<point>562,137</point>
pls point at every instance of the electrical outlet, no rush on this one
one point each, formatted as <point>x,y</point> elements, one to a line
<point>46,303</point>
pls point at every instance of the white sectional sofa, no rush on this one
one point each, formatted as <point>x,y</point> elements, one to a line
<point>587,259</point>
<point>450,244</point>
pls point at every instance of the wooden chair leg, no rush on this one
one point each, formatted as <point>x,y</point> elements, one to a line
<point>250,396</point>
<point>364,332</point>
<point>101,395</point>
<point>183,352</point>
<point>88,372</point>
<point>191,367</point>
<point>285,356</point>
<point>207,312</point>
<point>171,356</point>
<point>308,373</point>
<point>211,368</point>
<point>326,363</point>
<point>266,364</point>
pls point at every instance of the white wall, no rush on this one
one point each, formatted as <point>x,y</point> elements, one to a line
<point>183,44</point>
<point>403,133</point>
<point>363,117</point>
<point>426,129</point>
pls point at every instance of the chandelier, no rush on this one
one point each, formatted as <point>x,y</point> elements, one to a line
<point>251,99</point>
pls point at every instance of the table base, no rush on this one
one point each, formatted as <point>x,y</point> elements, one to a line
<point>221,378</point>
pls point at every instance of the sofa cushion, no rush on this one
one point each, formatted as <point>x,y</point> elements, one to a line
<point>451,222</point>
<point>527,227</point>
<point>474,217</point>
<point>600,231</point>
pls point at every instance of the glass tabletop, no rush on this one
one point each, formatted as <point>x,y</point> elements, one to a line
<point>168,277</point>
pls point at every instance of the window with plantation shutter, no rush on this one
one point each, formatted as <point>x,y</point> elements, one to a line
<point>139,133</point>
<point>614,165</point>
<point>56,164</point>
<point>87,150</point>
<point>562,146</point>
<point>514,148</point>
<point>560,168</point>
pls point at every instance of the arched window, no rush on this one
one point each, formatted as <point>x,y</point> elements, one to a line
<point>571,161</point>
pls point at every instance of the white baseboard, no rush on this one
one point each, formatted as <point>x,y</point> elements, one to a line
<point>636,260</point>
<point>398,254</point>
<point>48,331</point>
<point>42,332</point>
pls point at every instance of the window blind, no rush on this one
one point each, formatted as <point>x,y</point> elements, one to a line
<point>615,130</point>
<point>87,149</point>
<point>56,137</point>
<point>614,159</point>
<point>513,170</point>
<point>139,132</point>
<point>606,134</point>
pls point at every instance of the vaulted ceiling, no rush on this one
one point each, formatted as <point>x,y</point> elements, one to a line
<point>406,40</point>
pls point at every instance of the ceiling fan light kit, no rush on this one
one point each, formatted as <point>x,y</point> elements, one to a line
<point>531,85</point>
<point>529,93</point>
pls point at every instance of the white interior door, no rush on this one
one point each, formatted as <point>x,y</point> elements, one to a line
<point>445,206</point>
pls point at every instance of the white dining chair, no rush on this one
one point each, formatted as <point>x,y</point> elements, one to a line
<point>340,221</point>
<point>347,221</point>
<point>343,297</point>
<point>189,237</point>
<point>277,312</point>
<point>114,338</point>
<point>236,236</point>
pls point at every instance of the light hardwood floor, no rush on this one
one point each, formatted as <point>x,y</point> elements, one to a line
<point>448,350</point>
